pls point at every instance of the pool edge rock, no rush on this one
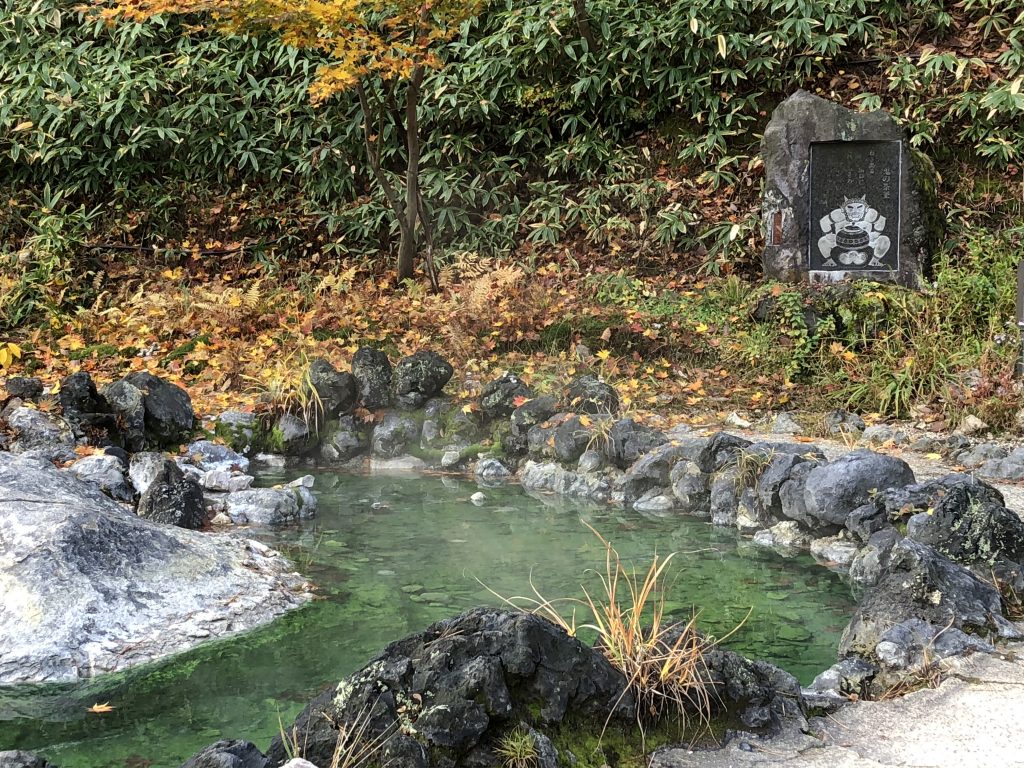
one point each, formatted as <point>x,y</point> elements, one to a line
<point>91,588</point>
<point>445,697</point>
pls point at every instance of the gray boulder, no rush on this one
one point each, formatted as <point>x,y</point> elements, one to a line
<point>588,394</point>
<point>523,419</point>
<point>564,437</point>
<point>759,695</point>
<point>40,435</point>
<point>656,500</point>
<point>209,456</point>
<point>419,377</point>
<point>970,528</point>
<point>471,678</point>
<point>786,537</point>
<point>691,487</point>
<point>848,677</point>
<point>1009,468</point>
<point>19,759</point>
<point>394,434</point>
<point>872,559</point>
<point>775,473</point>
<point>85,409</point>
<point>833,491</point>
<point>222,480</point>
<point>492,472</point>
<point>791,496</point>
<point>652,470</point>
<point>503,395</point>
<point>127,402</point>
<point>228,754</point>
<point>721,450</point>
<point>336,390</point>
<point>172,498</point>
<point>344,441</point>
<point>835,552</point>
<point>108,473</point>
<point>725,497</point>
<point>919,583</point>
<point>238,430</point>
<point>982,453</point>
<point>292,436</point>
<point>553,478</point>
<point>446,424</point>
<point>270,506</point>
<point>169,417</point>
<point>879,434</point>
<point>843,423</point>
<point>914,645</point>
<point>590,461</point>
<point>372,371</point>
<point>629,440</point>
<point>24,387</point>
<point>91,588</point>
<point>143,469</point>
<point>786,424</point>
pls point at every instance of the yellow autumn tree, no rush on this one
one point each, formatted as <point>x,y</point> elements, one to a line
<point>380,49</point>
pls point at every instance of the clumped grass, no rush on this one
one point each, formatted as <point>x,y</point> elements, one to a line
<point>518,749</point>
<point>661,658</point>
<point>355,747</point>
<point>750,465</point>
<point>286,387</point>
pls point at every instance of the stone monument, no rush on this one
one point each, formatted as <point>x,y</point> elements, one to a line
<point>845,197</point>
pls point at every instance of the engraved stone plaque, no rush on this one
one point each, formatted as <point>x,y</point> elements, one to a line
<point>845,196</point>
<point>854,206</point>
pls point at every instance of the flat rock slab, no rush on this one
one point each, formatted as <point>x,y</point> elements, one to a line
<point>88,587</point>
<point>972,720</point>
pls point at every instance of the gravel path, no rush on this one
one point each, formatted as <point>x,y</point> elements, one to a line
<point>972,720</point>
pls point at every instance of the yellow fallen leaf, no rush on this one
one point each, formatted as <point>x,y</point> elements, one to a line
<point>933,456</point>
<point>100,709</point>
<point>702,328</point>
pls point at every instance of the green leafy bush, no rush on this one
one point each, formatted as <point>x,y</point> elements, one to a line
<point>529,130</point>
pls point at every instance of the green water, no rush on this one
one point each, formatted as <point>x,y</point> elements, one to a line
<point>390,556</point>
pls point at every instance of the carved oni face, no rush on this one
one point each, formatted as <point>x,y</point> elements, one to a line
<point>855,208</point>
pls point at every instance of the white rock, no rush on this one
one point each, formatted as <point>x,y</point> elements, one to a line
<point>834,551</point>
<point>400,464</point>
<point>735,420</point>
<point>478,498</point>
<point>144,468</point>
<point>222,480</point>
<point>785,424</point>
<point>451,459</point>
<point>270,459</point>
<point>655,500</point>
<point>972,425</point>
<point>108,472</point>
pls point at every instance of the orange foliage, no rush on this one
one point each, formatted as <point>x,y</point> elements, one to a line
<point>388,38</point>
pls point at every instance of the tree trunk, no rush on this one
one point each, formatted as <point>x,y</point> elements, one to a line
<point>583,24</point>
<point>413,206</point>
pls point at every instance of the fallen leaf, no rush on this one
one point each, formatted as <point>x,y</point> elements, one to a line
<point>100,709</point>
